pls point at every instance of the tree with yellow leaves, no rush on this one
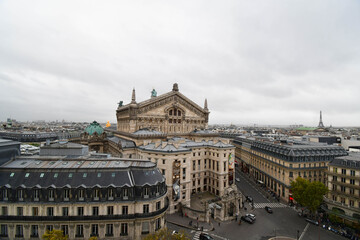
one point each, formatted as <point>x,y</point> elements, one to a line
<point>54,235</point>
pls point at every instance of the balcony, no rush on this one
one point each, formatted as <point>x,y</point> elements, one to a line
<point>86,218</point>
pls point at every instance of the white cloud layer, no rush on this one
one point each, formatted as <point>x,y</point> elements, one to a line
<point>257,62</point>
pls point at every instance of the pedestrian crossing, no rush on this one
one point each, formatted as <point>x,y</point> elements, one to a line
<point>272,205</point>
<point>197,235</point>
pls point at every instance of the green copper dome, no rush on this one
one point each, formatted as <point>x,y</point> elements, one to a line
<point>94,127</point>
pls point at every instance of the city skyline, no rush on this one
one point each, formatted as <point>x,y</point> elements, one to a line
<point>264,63</point>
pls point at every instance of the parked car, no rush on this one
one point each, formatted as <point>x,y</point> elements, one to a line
<point>204,236</point>
<point>247,219</point>
<point>250,215</point>
<point>312,221</point>
<point>268,209</point>
<point>174,232</point>
<point>249,199</point>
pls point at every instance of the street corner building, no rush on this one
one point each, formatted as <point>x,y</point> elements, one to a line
<point>171,131</point>
<point>276,164</point>
<point>83,194</point>
<point>343,199</point>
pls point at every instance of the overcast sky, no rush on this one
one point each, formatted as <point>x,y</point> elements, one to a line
<point>257,62</point>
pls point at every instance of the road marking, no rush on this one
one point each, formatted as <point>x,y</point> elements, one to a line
<point>272,205</point>
<point>217,236</point>
<point>305,229</point>
<point>197,235</point>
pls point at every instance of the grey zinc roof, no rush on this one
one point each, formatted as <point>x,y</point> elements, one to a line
<point>61,179</point>
<point>150,177</point>
<point>350,161</point>
<point>31,173</point>
<point>169,147</point>
<point>123,142</point>
<point>146,131</point>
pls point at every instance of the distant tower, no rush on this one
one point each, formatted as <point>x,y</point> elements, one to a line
<point>133,99</point>
<point>321,124</point>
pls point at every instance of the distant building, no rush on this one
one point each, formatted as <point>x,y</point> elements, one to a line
<point>344,188</point>
<point>21,136</point>
<point>83,195</point>
<point>8,150</point>
<point>276,164</point>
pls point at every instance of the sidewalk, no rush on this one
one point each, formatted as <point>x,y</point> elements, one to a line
<point>178,220</point>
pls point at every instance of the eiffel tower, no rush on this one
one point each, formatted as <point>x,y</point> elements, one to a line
<point>321,124</point>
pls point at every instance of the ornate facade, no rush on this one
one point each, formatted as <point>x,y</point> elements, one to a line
<point>169,113</point>
<point>344,188</point>
<point>277,164</point>
<point>83,195</point>
<point>170,130</point>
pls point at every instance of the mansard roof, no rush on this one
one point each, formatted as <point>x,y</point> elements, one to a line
<point>295,149</point>
<point>123,142</point>
<point>73,173</point>
<point>178,144</point>
<point>350,161</point>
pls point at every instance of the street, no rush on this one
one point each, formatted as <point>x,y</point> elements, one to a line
<point>284,221</point>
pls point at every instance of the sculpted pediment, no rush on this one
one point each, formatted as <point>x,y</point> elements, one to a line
<point>161,106</point>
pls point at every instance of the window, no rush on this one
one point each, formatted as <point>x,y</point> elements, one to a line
<point>35,211</point>
<point>113,174</point>
<point>343,171</point>
<point>343,180</point>
<point>34,231</point>
<point>70,175</point>
<point>145,228</point>
<point>49,227</point>
<point>94,230</point>
<point>124,229</point>
<point>80,211</point>
<point>56,175</point>
<point>27,175</point>
<point>36,194</point>
<point>110,210</point>
<point>19,211</point>
<point>5,194</point>
<point>99,175</point>
<point>81,194</point>
<point>111,193</point>
<point>19,231</point>
<point>20,193</point>
<point>65,211</point>
<point>163,171</point>
<point>158,224</point>
<point>51,195</point>
<point>146,208</point>
<point>65,229</point>
<point>66,194</point>
<point>184,173</point>
<point>351,191</point>
<point>109,230</point>
<point>95,211</point>
<point>3,230</point>
<point>335,170</point>
<point>4,211</point>
<point>96,194</point>
<point>146,192</point>
<point>79,231</point>
<point>205,163</point>
<point>50,211</point>
<point>352,173</point>
<point>290,174</point>
<point>334,178</point>
<point>84,175</point>
<point>351,203</point>
<point>217,166</point>
<point>194,165</point>
<point>158,205</point>
<point>343,189</point>
<point>352,181</point>
<point>225,166</point>
<point>125,210</point>
<point>125,193</point>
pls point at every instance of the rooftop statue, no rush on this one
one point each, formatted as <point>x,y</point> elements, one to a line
<point>153,93</point>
